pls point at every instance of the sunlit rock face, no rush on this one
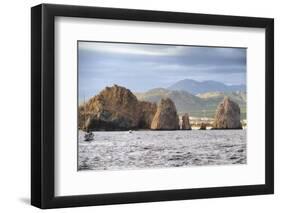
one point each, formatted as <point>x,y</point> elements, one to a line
<point>166,117</point>
<point>185,122</point>
<point>227,115</point>
<point>116,108</point>
<point>146,112</point>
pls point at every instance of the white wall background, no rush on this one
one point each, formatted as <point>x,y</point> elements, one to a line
<point>15,105</point>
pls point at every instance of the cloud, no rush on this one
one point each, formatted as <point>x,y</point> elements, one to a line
<point>132,49</point>
<point>141,66</point>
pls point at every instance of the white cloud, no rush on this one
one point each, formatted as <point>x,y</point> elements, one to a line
<point>135,49</point>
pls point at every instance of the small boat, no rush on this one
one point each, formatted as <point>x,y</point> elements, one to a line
<point>89,136</point>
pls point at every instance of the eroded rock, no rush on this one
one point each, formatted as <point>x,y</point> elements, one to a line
<point>185,122</point>
<point>203,126</point>
<point>116,108</point>
<point>166,117</point>
<point>227,115</point>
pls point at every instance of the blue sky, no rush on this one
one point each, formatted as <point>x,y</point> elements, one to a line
<point>141,67</point>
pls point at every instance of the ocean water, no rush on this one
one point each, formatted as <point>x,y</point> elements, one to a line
<point>159,149</point>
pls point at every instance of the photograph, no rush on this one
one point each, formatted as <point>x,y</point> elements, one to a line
<point>147,105</point>
<point>144,106</point>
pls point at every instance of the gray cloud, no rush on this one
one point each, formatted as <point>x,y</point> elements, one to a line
<point>141,67</point>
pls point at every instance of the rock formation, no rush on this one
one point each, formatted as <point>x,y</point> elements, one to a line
<point>146,111</point>
<point>166,117</point>
<point>227,115</point>
<point>203,126</point>
<point>116,108</point>
<point>185,122</point>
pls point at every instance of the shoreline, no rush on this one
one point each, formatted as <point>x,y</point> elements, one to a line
<point>152,130</point>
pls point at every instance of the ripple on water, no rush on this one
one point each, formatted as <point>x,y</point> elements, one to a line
<point>156,149</point>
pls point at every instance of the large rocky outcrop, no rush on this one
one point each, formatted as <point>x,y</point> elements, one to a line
<point>227,115</point>
<point>185,122</point>
<point>116,108</point>
<point>166,117</point>
<point>146,112</point>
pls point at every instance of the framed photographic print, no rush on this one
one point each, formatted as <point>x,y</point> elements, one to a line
<point>139,106</point>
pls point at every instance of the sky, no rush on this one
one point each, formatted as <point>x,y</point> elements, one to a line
<point>141,67</point>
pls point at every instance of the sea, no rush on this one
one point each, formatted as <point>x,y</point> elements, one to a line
<point>124,150</point>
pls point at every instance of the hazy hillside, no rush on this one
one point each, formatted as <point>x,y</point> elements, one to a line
<point>203,104</point>
<point>196,87</point>
<point>185,102</point>
<point>239,96</point>
<point>213,98</point>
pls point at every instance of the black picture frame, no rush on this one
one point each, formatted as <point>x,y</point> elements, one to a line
<point>43,105</point>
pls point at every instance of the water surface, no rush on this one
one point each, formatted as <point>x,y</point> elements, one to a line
<point>159,149</point>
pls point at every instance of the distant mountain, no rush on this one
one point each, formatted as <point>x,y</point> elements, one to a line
<point>200,105</point>
<point>196,87</point>
<point>239,96</point>
<point>184,101</point>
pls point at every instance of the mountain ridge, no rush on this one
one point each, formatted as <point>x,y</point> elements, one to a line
<point>196,87</point>
<point>201,105</point>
